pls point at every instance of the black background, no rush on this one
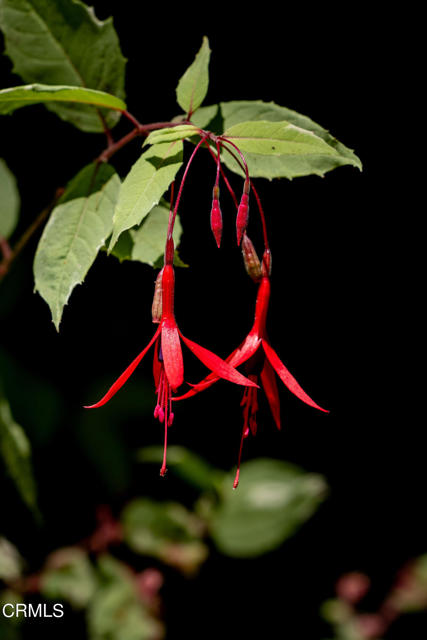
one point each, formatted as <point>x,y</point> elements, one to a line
<point>336,317</point>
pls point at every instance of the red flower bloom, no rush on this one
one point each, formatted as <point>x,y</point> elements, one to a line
<point>261,362</point>
<point>168,365</point>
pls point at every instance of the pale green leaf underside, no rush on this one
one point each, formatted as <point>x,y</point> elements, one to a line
<point>219,118</point>
<point>272,501</point>
<point>170,134</point>
<point>193,86</point>
<point>145,184</point>
<point>16,453</point>
<point>147,242</point>
<point>17,97</point>
<point>276,139</point>
<point>9,201</point>
<point>63,43</point>
<point>76,231</point>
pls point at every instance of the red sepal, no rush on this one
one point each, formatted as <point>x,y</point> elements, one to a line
<point>125,375</point>
<point>287,378</point>
<point>216,364</point>
<point>269,384</point>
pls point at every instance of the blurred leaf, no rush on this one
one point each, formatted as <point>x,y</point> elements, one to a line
<point>116,612</point>
<point>147,242</point>
<point>10,626</point>
<point>193,85</point>
<point>11,563</point>
<point>69,576</point>
<point>272,501</point>
<point>288,166</point>
<point>145,184</point>
<point>41,412</point>
<point>185,464</point>
<point>74,234</point>
<point>170,134</point>
<point>25,95</point>
<point>9,201</point>
<point>62,42</point>
<point>15,450</point>
<point>165,530</point>
<point>410,592</point>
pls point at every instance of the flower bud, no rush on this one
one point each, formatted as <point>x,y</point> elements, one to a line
<point>216,217</point>
<point>242,217</point>
<point>251,260</point>
<point>156,308</point>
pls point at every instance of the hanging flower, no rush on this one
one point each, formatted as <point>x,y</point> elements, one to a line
<point>262,363</point>
<point>168,365</point>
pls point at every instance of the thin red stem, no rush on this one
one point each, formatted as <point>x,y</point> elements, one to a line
<point>258,200</point>
<point>262,216</point>
<point>224,177</point>
<point>239,152</point>
<point>181,186</point>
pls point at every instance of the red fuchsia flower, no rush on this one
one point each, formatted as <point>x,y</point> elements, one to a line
<point>168,368</point>
<point>261,361</point>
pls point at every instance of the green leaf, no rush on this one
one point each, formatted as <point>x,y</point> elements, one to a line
<point>288,166</point>
<point>165,530</point>
<point>117,611</point>
<point>145,184</point>
<point>193,86</point>
<point>10,628</point>
<point>11,563</point>
<point>276,139</point>
<point>272,501</point>
<point>17,97</point>
<point>9,201</point>
<point>69,576</point>
<point>207,116</point>
<point>15,450</point>
<point>78,227</point>
<point>63,43</point>
<point>169,134</point>
<point>185,464</point>
<point>147,242</point>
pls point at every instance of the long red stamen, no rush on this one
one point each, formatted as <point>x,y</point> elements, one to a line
<point>250,408</point>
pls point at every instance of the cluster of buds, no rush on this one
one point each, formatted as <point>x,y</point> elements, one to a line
<point>261,362</point>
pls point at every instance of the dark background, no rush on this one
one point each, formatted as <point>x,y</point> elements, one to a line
<point>336,320</point>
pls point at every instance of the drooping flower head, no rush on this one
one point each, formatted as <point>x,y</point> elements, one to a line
<point>261,361</point>
<point>168,367</point>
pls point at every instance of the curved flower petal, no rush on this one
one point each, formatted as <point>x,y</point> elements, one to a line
<point>236,357</point>
<point>287,378</point>
<point>172,356</point>
<point>125,375</point>
<point>268,380</point>
<point>216,364</point>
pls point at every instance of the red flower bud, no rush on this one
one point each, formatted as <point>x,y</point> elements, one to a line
<point>216,217</point>
<point>242,217</point>
<point>251,260</point>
